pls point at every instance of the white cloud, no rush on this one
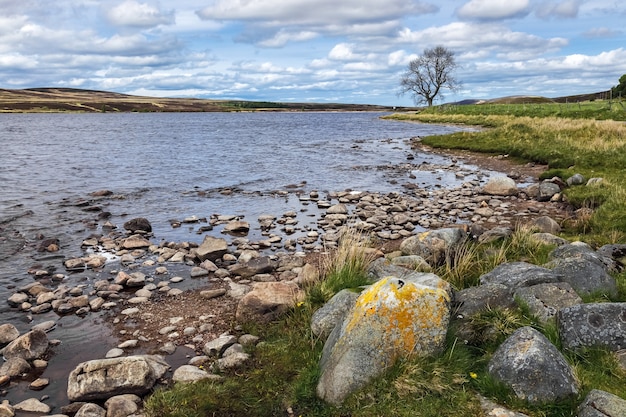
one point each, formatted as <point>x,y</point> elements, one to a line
<point>493,9</point>
<point>315,12</point>
<point>282,37</point>
<point>565,9</point>
<point>495,38</point>
<point>131,13</point>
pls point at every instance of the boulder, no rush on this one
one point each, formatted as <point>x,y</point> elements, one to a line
<point>602,404</point>
<point>576,179</point>
<point>32,405</point>
<point>593,325</point>
<point>519,274</point>
<point>8,333</point>
<point>29,346</point>
<point>218,346</point>
<point>433,245</point>
<point>533,368</point>
<point>392,319</point>
<point>472,300</point>
<point>135,242</point>
<point>500,186</point>
<point>545,224</point>
<point>91,410</point>
<point>122,405</point>
<point>547,190</point>
<point>332,313</point>
<point>267,300</point>
<point>15,366</point>
<point>544,300</point>
<point>104,378</point>
<point>584,276</point>
<point>138,224</point>
<point>492,409</point>
<point>255,266</point>
<point>190,373</point>
<point>211,248</point>
<point>237,226</point>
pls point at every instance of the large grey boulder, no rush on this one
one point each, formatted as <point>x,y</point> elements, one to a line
<point>472,300</point>
<point>519,274</point>
<point>104,378</point>
<point>586,277</point>
<point>29,346</point>
<point>602,404</point>
<point>584,251</point>
<point>544,300</point>
<point>211,248</point>
<point>433,245</point>
<point>593,325</point>
<point>533,368</point>
<point>392,319</point>
<point>500,186</point>
<point>332,313</point>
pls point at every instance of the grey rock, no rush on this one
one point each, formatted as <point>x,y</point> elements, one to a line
<point>495,234</point>
<point>190,373</point>
<point>433,245</point>
<point>332,313</point>
<point>519,274</point>
<point>255,266</point>
<point>547,190</point>
<point>472,300</point>
<point>602,404</point>
<point>232,361</point>
<point>584,276</point>
<point>492,409</point>
<point>500,186</point>
<point>32,405</point>
<point>15,366</point>
<point>90,410</point>
<point>211,248</point>
<point>29,346</point>
<point>544,300</point>
<point>8,333</point>
<point>216,347</point>
<point>593,325</point>
<point>549,239</point>
<point>576,179</point>
<point>268,300</point>
<point>533,368</point>
<point>104,378</point>
<point>371,337</point>
<point>138,224</point>
<point>546,224</point>
<point>413,262</point>
<point>122,405</point>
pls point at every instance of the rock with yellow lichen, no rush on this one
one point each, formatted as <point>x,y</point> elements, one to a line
<point>392,319</point>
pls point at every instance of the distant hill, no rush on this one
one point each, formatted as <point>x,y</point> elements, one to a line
<point>602,95</point>
<point>79,100</point>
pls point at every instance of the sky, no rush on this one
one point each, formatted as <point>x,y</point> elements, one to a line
<point>341,51</point>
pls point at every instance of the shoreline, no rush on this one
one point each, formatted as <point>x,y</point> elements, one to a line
<point>179,304</point>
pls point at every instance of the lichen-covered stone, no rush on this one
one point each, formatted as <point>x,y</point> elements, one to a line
<point>330,314</point>
<point>593,325</point>
<point>519,274</point>
<point>533,368</point>
<point>544,300</point>
<point>393,318</point>
<point>602,404</point>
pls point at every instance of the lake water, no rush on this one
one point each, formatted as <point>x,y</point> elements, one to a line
<point>171,166</point>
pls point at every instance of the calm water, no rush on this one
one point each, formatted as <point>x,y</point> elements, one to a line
<point>170,166</point>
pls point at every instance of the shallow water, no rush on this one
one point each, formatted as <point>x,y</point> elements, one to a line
<point>172,166</point>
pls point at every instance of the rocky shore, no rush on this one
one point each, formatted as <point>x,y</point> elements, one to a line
<point>167,297</point>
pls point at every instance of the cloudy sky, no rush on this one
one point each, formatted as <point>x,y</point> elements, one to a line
<point>349,51</point>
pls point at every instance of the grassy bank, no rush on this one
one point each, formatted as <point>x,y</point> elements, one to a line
<point>594,148</point>
<point>282,378</point>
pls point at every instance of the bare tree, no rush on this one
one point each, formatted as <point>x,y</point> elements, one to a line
<point>428,74</point>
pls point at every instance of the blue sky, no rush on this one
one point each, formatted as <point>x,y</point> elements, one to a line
<point>348,51</point>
